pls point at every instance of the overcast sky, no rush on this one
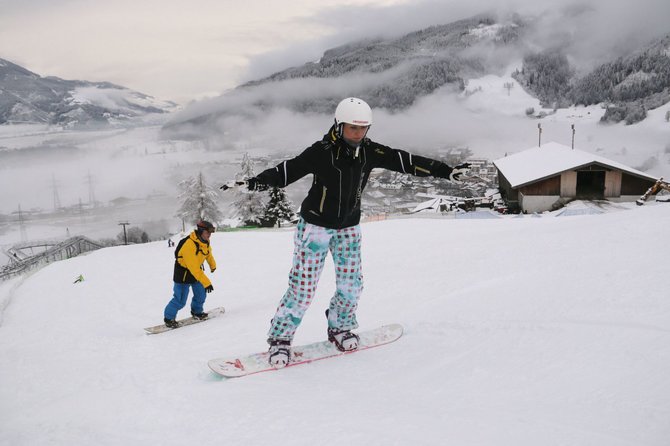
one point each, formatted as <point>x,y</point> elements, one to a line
<point>180,51</point>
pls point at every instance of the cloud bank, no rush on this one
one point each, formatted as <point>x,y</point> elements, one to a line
<point>593,31</point>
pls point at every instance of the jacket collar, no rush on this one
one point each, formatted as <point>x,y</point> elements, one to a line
<point>334,138</point>
<point>195,238</point>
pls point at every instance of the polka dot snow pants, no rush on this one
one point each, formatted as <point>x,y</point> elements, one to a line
<point>312,244</point>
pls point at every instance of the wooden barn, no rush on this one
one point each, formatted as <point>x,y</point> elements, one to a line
<point>546,177</point>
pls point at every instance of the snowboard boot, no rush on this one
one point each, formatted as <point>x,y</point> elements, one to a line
<point>344,340</point>
<point>202,316</point>
<point>280,353</point>
<point>171,323</point>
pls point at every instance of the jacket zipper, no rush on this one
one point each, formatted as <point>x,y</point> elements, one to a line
<point>349,192</point>
<point>323,199</point>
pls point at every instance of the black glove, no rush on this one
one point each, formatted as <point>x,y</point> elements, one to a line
<point>213,270</point>
<point>457,171</point>
<point>209,289</point>
<point>256,184</point>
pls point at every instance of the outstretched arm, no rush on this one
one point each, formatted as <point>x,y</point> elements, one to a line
<point>405,162</point>
<point>283,173</point>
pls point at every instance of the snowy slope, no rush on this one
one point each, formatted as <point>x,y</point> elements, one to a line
<point>125,102</point>
<point>519,331</point>
<point>27,97</point>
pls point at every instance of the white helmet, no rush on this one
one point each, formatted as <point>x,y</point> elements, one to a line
<point>353,111</point>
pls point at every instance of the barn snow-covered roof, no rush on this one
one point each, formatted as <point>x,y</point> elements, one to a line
<point>550,159</point>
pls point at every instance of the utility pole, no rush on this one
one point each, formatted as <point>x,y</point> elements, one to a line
<point>91,190</point>
<point>55,190</point>
<point>508,86</point>
<point>22,227</point>
<point>539,134</point>
<point>125,235</point>
<point>573,136</point>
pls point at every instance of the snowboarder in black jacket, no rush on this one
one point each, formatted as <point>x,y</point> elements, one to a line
<point>330,215</point>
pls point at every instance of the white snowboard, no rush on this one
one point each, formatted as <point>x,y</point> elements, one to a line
<point>234,367</point>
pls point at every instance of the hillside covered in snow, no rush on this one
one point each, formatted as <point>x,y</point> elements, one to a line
<point>518,331</point>
<point>28,98</point>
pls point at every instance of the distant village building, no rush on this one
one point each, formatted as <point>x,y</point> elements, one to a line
<point>544,178</point>
<point>484,169</point>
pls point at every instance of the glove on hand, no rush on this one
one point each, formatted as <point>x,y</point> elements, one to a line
<point>255,184</point>
<point>231,184</point>
<point>209,289</point>
<point>455,175</point>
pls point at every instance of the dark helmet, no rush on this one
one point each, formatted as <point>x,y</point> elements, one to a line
<point>204,225</point>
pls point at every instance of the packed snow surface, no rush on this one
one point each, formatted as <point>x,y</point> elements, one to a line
<point>518,331</point>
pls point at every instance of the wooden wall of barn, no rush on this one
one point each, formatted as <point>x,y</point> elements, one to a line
<point>620,186</point>
<point>631,185</point>
<point>506,190</point>
<point>612,183</point>
<point>549,186</point>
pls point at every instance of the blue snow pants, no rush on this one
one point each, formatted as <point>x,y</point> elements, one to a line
<point>180,296</point>
<point>312,244</point>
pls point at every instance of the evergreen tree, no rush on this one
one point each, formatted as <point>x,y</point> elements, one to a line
<point>198,201</point>
<point>278,208</point>
<point>548,76</point>
<point>248,205</point>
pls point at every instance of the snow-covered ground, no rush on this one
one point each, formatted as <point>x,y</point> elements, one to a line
<point>518,331</point>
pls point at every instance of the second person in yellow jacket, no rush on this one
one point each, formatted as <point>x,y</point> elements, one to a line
<point>190,256</point>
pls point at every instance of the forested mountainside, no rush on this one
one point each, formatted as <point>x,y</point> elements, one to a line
<point>393,73</point>
<point>629,85</point>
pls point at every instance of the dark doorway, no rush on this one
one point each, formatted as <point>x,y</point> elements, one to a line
<point>591,184</point>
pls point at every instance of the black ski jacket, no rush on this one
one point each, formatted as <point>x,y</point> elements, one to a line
<point>340,175</point>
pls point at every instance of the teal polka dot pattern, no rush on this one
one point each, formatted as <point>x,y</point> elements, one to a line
<point>312,244</point>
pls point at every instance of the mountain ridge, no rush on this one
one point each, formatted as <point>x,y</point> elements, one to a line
<point>27,97</point>
<point>393,73</point>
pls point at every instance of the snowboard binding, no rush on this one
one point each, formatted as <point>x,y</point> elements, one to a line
<point>344,340</point>
<point>279,353</point>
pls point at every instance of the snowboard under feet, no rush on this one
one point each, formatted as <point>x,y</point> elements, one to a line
<point>214,312</point>
<point>234,367</point>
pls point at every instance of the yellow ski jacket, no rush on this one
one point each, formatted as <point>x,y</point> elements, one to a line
<point>190,255</point>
